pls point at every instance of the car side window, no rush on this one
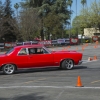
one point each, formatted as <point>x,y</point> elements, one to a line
<point>41,51</point>
<point>37,51</point>
<point>32,51</point>
<point>22,52</point>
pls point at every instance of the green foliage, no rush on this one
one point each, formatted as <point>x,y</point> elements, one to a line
<point>88,18</point>
<point>95,15</point>
<point>54,14</point>
<point>53,25</point>
<point>16,5</point>
<point>83,2</point>
<point>30,24</point>
<point>7,9</point>
<point>70,2</point>
<point>8,29</point>
<point>46,17</point>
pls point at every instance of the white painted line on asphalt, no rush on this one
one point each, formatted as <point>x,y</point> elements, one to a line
<point>95,81</point>
<point>59,95</point>
<point>86,61</point>
<point>54,87</point>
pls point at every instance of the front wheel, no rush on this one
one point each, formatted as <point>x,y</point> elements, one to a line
<point>8,69</point>
<point>67,64</point>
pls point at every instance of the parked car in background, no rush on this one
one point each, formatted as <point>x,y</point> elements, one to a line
<point>37,56</point>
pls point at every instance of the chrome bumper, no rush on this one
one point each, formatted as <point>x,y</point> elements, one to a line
<point>80,62</point>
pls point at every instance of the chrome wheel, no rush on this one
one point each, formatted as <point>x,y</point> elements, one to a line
<point>67,64</point>
<point>9,69</point>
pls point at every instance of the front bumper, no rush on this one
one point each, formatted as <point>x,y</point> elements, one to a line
<point>80,62</point>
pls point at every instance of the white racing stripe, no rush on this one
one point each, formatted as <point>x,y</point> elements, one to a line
<point>53,87</point>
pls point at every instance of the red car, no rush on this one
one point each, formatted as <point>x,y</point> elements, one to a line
<point>37,56</point>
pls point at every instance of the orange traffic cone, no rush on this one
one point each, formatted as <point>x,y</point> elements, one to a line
<point>96,42</point>
<point>95,46</point>
<point>66,48</point>
<point>87,44</point>
<point>63,49</point>
<point>79,83</point>
<point>69,46</point>
<point>95,58</point>
<point>89,59</point>
<point>76,48</point>
<point>82,48</point>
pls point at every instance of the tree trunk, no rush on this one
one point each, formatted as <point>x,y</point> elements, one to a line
<point>42,32</point>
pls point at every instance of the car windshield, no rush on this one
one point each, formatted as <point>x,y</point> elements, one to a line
<point>9,51</point>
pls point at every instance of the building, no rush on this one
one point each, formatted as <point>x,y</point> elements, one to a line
<point>89,32</point>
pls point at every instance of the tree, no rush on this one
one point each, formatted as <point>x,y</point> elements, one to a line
<point>92,15</point>
<point>76,7</point>
<point>83,2</point>
<point>9,30</point>
<point>36,4</point>
<point>57,10</point>
<point>79,24</point>
<point>52,26</point>
<point>1,9</point>
<point>46,7</point>
<point>1,15</point>
<point>95,14</point>
<point>89,18</point>
<point>16,6</point>
<point>7,9</point>
<point>29,24</point>
<point>70,4</point>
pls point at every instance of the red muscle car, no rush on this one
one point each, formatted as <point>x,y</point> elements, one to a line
<point>37,56</point>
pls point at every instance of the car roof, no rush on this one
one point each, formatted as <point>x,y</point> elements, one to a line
<point>28,46</point>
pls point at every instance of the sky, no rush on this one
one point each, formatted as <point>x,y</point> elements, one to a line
<point>79,6</point>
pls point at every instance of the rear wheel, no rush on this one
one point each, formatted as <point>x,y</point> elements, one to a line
<point>67,64</point>
<point>8,69</point>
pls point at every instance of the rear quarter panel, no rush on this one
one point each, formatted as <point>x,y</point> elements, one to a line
<point>75,56</point>
<point>13,59</point>
<point>5,59</point>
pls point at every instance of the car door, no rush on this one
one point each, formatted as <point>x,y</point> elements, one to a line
<point>22,58</point>
<point>39,58</point>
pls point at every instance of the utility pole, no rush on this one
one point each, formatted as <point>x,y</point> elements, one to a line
<point>76,22</point>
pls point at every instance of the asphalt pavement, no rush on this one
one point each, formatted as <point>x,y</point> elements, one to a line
<point>55,84</point>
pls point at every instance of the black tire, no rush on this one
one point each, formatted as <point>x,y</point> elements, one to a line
<point>67,64</point>
<point>8,69</point>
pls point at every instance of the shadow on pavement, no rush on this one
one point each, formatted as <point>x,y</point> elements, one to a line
<point>48,69</point>
<point>45,70</point>
<point>25,97</point>
<point>80,67</point>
